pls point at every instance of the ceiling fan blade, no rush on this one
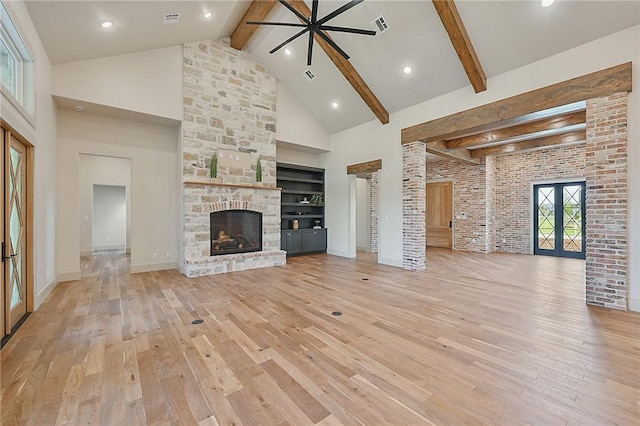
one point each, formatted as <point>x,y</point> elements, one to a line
<point>295,12</point>
<point>310,49</point>
<point>347,30</point>
<point>314,10</point>
<point>289,40</point>
<point>333,44</point>
<point>277,24</point>
<point>339,10</point>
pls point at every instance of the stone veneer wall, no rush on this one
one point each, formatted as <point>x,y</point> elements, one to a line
<point>230,104</point>
<point>512,199</point>
<point>607,238</point>
<point>469,196</point>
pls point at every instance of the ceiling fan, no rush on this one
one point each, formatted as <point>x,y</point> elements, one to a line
<point>313,25</point>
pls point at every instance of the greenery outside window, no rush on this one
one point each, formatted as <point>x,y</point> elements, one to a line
<point>16,65</point>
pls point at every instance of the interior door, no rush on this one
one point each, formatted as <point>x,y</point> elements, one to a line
<point>439,214</point>
<point>14,250</point>
<point>2,237</point>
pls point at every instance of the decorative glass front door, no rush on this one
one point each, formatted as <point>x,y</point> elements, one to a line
<point>559,219</point>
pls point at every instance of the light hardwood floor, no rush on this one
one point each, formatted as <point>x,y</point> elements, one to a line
<point>493,339</point>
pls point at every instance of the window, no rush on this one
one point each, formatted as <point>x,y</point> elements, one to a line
<point>16,64</point>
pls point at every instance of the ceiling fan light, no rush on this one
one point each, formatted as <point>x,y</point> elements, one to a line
<point>547,3</point>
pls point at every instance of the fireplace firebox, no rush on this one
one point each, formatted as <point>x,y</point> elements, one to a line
<point>235,231</point>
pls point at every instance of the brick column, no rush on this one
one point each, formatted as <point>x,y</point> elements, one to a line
<point>374,192</point>
<point>606,217</point>
<point>414,181</point>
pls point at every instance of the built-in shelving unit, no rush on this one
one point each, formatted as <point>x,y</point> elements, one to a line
<point>299,184</point>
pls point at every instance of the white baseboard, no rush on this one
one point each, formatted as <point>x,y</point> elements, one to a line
<point>69,276</point>
<point>340,253</point>
<point>110,247</point>
<point>45,292</point>
<point>136,269</point>
<point>634,305</point>
<point>390,262</point>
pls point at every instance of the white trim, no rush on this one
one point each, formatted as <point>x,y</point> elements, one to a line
<point>69,276</point>
<point>341,253</point>
<point>390,262</point>
<point>548,182</point>
<point>45,292</point>
<point>150,267</point>
<point>110,247</point>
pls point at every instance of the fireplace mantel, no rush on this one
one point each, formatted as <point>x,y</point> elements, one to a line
<point>229,185</point>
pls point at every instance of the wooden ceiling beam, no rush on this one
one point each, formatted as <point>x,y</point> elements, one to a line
<point>462,155</point>
<point>367,167</point>
<point>555,141</point>
<point>258,11</point>
<point>495,136</point>
<point>601,83</point>
<point>448,13</point>
<point>347,70</point>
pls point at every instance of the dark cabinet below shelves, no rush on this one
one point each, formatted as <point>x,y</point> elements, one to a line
<point>303,241</point>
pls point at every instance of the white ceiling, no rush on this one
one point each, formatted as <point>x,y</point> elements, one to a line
<point>505,34</point>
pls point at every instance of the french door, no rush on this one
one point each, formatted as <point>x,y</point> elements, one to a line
<point>15,243</point>
<point>559,219</point>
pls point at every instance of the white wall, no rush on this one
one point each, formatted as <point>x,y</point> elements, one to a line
<point>149,82</point>
<point>363,215</point>
<point>109,217</point>
<point>295,125</point>
<point>41,132</point>
<point>301,158</point>
<point>154,196</point>
<point>373,140</point>
<point>100,170</point>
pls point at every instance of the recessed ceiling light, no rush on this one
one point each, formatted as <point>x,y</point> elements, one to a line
<point>207,14</point>
<point>547,3</point>
<point>334,105</point>
<point>287,52</point>
<point>407,70</point>
<point>106,24</point>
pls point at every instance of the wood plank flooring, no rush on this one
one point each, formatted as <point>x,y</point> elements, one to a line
<point>475,339</point>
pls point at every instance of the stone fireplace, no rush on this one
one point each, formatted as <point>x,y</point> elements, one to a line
<point>229,109</point>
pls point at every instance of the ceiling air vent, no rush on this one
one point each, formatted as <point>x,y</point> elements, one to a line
<point>380,25</point>
<point>310,76</point>
<point>170,18</point>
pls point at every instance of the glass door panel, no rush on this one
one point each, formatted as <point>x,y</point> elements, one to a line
<point>559,220</point>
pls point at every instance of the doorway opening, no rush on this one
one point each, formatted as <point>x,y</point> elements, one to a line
<point>105,205</point>
<point>559,219</point>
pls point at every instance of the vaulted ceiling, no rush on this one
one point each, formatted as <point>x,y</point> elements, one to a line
<point>504,34</point>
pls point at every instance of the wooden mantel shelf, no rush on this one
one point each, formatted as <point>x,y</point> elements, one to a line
<point>229,185</point>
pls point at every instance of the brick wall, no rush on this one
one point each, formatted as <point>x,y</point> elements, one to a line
<point>229,104</point>
<point>374,191</point>
<point>414,163</point>
<point>469,197</point>
<point>606,161</point>
<point>512,208</point>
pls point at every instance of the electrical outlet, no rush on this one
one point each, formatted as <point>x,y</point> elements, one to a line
<point>154,255</point>
<point>168,254</point>
<point>504,240</point>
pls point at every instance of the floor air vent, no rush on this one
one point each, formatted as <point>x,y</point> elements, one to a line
<point>380,25</point>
